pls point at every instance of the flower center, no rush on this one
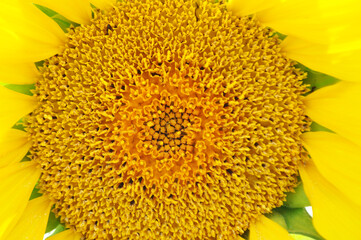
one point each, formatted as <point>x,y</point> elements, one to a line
<point>168,119</point>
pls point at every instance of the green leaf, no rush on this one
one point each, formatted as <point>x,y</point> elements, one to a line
<point>54,225</point>
<point>297,199</point>
<point>280,35</point>
<point>315,79</point>
<point>65,25</point>
<point>47,11</point>
<point>63,22</point>
<point>20,125</point>
<point>39,64</point>
<point>56,230</point>
<point>26,158</point>
<point>53,222</point>
<point>315,127</point>
<point>278,218</point>
<point>298,222</point>
<point>35,193</point>
<point>245,235</point>
<point>21,88</point>
<point>300,237</point>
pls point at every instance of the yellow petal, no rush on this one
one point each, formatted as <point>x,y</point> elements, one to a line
<point>337,108</point>
<point>16,184</point>
<point>338,160</point>
<point>321,21</point>
<point>66,235</point>
<point>18,73</point>
<point>338,60</point>
<point>244,7</point>
<point>17,47</point>
<point>78,11</point>
<point>102,4</point>
<point>14,146</point>
<point>33,221</point>
<point>266,229</point>
<point>335,217</point>
<point>27,34</point>
<point>13,106</point>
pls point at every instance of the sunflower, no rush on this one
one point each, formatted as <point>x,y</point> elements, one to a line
<point>179,119</point>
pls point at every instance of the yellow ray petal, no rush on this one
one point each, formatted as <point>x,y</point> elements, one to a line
<point>78,11</point>
<point>266,229</point>
<point>66,235</point>
<point>27,34</point>
<point>18,73</point>
<point>338,160</point>
<point>335,217</point>
<point>16,184</point>
<point>14,145</point>
<point>338,60</point>
<point>244,7</point>
<point>321,21</point>
<point>337,108</point>
<point>17,47</point>
<point>33,221</point>
<point>102,4</point>
<point>13,106</point>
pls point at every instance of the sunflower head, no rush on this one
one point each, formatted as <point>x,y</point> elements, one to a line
<point>177,119</point>
<point>174,112</point>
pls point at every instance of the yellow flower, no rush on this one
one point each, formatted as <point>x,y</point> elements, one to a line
<point>177,119</point>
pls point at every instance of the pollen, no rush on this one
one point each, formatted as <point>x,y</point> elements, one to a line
<point>168,119</point>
